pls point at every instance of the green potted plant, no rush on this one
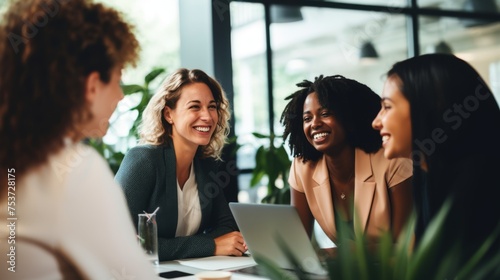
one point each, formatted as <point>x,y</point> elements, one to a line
<point>272,161</point>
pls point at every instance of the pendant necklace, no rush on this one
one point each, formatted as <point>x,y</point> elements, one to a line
<point>342,194</point>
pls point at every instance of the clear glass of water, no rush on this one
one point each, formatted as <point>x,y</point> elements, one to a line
<point>148,236</point>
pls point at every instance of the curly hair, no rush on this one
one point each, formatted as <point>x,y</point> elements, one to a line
<point>47,51</point>
<point>155,130</point>
<point>354,106</point>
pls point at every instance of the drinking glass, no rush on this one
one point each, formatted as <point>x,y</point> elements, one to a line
<point>148,236</point>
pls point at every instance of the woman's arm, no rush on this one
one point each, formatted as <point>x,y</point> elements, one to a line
<point>137,178</point>
<point>223,228</point>
<point>219,238</point>
<point>194,246</point>
<point>299,200</point>
<point>221,218</point>
<point>401,205</point>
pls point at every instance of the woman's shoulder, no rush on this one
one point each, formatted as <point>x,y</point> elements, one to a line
<point>379,159</point>
<point>77,160</point>
<point>148,148</point>
<point>146,158</point>
<point>146,151</point>
<point>305,168</point>
<point>79,155</point>
<point>381,164</point>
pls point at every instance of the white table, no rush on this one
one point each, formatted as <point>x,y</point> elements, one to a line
<point>194,266</point>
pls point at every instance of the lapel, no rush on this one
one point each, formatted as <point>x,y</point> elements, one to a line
<point>364,188</point>
<point>206,190</point>
<point>323,195</point>
<point>170,190</point>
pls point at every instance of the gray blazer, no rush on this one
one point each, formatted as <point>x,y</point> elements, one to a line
<point>147,176</point>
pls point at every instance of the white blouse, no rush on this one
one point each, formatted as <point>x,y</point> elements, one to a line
<point>189,211</point>
<point>71,204</point>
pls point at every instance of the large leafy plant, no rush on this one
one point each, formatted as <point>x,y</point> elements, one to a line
<point>144,93</point>
<point>357,259</point>
<point>272,161</point>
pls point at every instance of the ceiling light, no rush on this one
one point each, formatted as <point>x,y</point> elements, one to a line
<point>284,14</point>
<point>443,47</point>
<point>368,50</point>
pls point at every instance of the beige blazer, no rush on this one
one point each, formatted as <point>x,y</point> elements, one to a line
<point>374,175</point>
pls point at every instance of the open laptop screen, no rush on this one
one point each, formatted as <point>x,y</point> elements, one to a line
<point>263,224</point>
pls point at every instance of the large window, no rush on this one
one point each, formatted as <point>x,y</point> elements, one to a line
<point>475,41</point>
<point>330,41</point>
<point>157,29</point>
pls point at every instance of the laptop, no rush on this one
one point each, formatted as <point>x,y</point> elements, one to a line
<point>262,224</point>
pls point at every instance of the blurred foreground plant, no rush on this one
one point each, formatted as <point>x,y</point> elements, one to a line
<point>388,260</point>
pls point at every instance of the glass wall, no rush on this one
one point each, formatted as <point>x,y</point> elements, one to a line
<point>248,50</point>
<point>157,29</point>
<point>330,41</point>
<point>476,44</point>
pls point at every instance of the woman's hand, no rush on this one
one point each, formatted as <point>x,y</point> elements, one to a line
<point>327,253</point>
<point>230,244</point>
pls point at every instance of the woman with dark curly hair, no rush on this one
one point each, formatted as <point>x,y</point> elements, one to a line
<point>339,174</point>
<point>60,74</point>
<point>182,133</point>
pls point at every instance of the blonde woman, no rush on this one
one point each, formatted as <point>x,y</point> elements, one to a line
<point>183,131</point>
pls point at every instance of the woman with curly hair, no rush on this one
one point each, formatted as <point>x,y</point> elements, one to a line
<point>339,174</point>
<point>60,83</point>
<point>183,131</point>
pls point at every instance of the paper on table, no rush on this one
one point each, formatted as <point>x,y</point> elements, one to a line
<point>218,262</point>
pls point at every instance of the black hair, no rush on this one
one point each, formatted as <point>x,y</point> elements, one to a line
<point>353,104</point>
<point>454,119</point>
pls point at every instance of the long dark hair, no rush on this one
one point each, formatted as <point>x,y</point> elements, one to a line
<point>455,122</point>
<point>353,104</point>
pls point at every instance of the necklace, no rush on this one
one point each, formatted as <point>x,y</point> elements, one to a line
<point>343,196</point>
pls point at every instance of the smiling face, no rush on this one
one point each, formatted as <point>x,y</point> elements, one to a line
<point>195,116</point>
<point>394,121</point>
<point>321,128</point>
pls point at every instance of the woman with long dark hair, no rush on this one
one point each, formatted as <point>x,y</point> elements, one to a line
<point>438,111</point>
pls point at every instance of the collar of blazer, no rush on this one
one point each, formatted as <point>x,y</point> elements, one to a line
<point>207,188</point>
<point>364,190</point>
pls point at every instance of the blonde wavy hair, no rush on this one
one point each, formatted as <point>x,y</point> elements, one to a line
<point>155,130</point>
